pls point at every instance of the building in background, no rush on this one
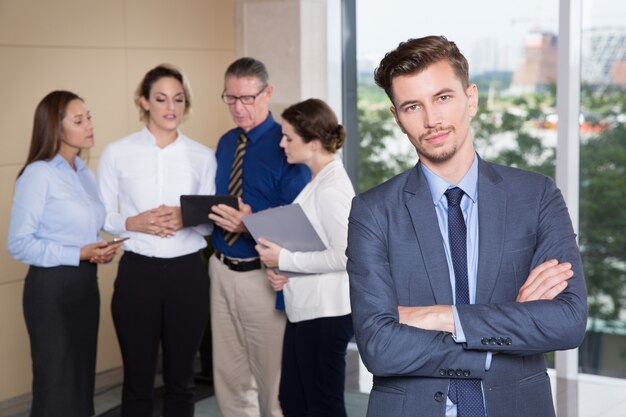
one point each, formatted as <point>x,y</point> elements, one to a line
<point>605,52</point>
<point>538,70</point>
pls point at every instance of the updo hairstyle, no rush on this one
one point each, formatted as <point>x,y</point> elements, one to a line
<point>314,119</point>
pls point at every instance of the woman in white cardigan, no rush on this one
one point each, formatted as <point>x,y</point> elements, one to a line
<point>317,303</point>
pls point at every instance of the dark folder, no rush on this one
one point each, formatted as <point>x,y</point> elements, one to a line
<point>195,209</point>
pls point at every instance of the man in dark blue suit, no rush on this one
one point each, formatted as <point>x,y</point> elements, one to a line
<point>456,300</point>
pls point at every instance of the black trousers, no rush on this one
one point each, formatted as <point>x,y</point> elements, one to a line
<point>62,310</point>
<point>313,371</point>
<point>160,301</point>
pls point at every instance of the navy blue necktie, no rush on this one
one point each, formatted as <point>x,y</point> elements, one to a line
<point>465,393</point>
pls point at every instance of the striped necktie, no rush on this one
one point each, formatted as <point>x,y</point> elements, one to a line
<point>235,180</point>
<point>465,393</point>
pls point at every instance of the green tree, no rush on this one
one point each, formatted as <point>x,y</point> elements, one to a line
<point>376,130</point>
<point>603,221</point>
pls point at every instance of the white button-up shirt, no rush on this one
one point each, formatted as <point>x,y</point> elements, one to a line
<point>135,175</point>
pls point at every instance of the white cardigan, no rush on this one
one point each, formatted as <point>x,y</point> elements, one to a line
<point>326,201</point>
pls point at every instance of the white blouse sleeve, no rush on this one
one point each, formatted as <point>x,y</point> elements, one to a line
<point>108,186</point>
<point>332,208</point>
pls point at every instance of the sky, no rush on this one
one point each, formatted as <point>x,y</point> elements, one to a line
<point>489,32</point>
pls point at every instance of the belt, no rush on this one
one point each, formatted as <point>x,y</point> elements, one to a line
<point>237,265</point>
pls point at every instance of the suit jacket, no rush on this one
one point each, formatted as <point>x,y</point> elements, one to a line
<point>396,257</point>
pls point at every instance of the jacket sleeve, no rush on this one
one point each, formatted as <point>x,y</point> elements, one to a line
<point>537,326</point>
<point>387,347</point>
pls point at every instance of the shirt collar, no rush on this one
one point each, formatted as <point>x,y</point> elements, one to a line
<point>260,130</point>
<point>438,186</point>
<point>149,138</point>
<point>59,161</point>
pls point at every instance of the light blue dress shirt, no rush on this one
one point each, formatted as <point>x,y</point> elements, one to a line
<point>469,206</point>
<point>56,211</point>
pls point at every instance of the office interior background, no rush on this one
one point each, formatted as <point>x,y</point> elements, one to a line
<point>552,77</point>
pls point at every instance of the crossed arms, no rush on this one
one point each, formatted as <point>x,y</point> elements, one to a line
<point>402,334</point>
<point>545,282</point>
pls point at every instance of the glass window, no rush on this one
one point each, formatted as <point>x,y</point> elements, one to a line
<point>603,185</point>
<point>512,60</point>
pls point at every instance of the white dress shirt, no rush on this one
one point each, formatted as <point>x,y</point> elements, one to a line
<point>326,201</point>
<point>135,175</point>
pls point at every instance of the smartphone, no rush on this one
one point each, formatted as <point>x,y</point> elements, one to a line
<point>117,240</point>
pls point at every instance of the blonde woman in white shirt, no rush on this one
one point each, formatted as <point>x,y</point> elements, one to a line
<point>162,287</point>
<point>319,324</point>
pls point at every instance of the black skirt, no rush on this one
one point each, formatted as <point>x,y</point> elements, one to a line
<point>62,310</point>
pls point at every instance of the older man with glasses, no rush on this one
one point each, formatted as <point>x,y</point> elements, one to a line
<point>246,318</point>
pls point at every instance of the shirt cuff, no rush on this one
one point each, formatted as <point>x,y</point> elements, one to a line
<point>285,260</point>
<point>70,255</point>
<point>459,336</point>
<point>488,361</point>
<point>115,224</point>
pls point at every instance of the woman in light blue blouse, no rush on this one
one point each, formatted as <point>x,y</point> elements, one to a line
<point>54,226</point>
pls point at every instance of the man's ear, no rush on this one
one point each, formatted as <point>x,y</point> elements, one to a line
<point>269,90</point>
<point>395,116</point>
<point>472,99</point>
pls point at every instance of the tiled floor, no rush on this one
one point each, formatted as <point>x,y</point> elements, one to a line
<point>597,396</point>
<point>356,404</point>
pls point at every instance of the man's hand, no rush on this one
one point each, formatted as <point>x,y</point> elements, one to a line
<point>436,317</point>
<point>546,281</point>
<point>228,218</point>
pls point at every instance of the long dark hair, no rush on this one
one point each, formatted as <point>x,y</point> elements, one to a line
<point>45,141</point>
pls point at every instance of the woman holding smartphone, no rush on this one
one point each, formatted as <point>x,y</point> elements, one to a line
<point>319,324</point>
<point>54,226</point>
<point>161,295</point>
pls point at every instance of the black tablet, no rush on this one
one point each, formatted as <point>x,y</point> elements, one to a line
<point>195,209</point>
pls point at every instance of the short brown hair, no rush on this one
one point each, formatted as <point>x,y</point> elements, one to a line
<point>415,55</point>
<point>154,75</point>
<point>314,119</point>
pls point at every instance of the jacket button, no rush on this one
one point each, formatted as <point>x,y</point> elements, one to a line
<point>484,341</point>
<point>451,372</point>
<point>499,341</point>
<point>439,397</point>
<point>459,372</point>
<point>508,341</point>
<point>442,372</point>
<point>466,373</point>
<point>492,341</point>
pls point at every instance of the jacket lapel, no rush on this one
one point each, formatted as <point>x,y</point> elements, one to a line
<point>491,230</point>
<point>420,206</point>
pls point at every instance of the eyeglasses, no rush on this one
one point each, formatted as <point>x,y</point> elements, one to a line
<point>228,99</point>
